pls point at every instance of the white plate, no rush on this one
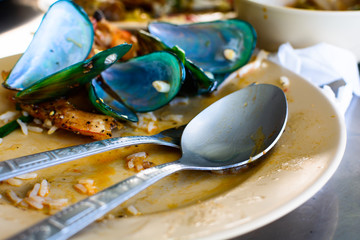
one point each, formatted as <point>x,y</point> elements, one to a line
<point>192,205</point>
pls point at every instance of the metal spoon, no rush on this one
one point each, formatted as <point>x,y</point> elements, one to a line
<point>233,131</point>
<point>25,164</point>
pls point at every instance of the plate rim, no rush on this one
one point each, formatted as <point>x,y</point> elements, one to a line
<point>294,203</point>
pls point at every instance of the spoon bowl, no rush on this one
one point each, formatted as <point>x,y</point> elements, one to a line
<point>239,128</point>
<point>233,131</point>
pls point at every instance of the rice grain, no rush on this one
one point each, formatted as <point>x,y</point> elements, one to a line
<point>52,130</point>
<point>23,126</point>
<point>34,191</point>
<point>13,197</point>
<point>44,188</point>
<point>132,210</point>
<point>80,188</point>
<point>9,115</point>
<point>27,176</point>
<point>35,129</point>
<point>56,203</point>
<point>14,182</point>
<point>35,202</point>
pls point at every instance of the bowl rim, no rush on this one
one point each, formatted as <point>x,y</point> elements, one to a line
<point>300,10</point>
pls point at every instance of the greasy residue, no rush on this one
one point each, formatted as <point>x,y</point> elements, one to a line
<point>259,140</point>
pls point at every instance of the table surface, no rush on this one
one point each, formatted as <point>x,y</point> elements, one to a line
<point>332,213</point>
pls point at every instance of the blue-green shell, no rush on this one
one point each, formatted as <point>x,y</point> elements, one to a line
<point>66,80</point>
<point>204,43</point>
<point>64,37</point>
<point>131,84</point>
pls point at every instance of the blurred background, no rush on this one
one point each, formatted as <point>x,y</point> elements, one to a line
<point>19,19</point>
<point>15,12</point>
<point>119,10</point>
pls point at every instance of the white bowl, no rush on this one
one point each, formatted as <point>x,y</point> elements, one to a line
<point>276,24</point>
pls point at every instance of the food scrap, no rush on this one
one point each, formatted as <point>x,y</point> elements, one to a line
<point>86,186</point>
<point>336,5</point>
<point>285,83</point>
<point>37,198</point>
<point>62,114</point>
<point>153,68</point>
<point>137,161</point>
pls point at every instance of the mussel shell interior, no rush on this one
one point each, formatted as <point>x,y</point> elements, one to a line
<point>133,80</point>
<point>205,43</point>
<point>196,80</point>
<point>108,104</point>
<point>66,80</point>
<point>64,37</point>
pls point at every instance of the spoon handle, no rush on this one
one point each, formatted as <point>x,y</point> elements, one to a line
<point>17,166</point>
<point>74,218</point>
